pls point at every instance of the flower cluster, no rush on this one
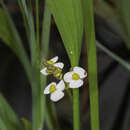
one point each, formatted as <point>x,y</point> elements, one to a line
<point>73,79</point>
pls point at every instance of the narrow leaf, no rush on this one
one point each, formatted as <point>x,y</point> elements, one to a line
<point>35,61</point>
<point>10,36</point>
<point>124,15</point>
<point>27,124</point>
<point>69,20</point>
<point>46,25</point>
<point>114,56</point>
<point>68,17</point>
<point>92,63</point>
<point>8,116</point>
<point>3,126</point>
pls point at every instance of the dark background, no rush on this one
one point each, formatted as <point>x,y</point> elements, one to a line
<point>114,79</point>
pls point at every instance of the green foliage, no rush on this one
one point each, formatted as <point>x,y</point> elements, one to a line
<point>68,17</point>
<point>27,124</point>
<point>92,63</point>
<point>3,126</point>
<point>45,33</point>
<point>5,30</point>
<point>8,119</point>
<point>69,20</point>
<point>124,9</point>
<point>114,56</point>
<point>46,25</point>
<point>10,36</point>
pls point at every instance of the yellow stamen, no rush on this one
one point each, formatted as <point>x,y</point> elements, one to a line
<point>75,76</point>
<point>50,62</point>
<point>52,88</point>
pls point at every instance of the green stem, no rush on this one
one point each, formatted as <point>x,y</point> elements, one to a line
<point>76,120</point>
<point>114,56</point>
<point>37,22</point>
<point>46,25</point>
<point>76,109</point>
<point>49,120</point>
<point>51,116</point>
<point>43,54</point>
<point>35,60</point>
<point>55,116</point>
<point>70,95</point>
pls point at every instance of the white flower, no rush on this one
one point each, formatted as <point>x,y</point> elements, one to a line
<point>75,77</point>
<point>55,90</point>
<point>52,62</point>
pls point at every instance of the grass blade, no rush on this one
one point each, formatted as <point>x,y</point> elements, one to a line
<point>24,12</point>
<point>45,33</point>
<point>124,9</point>
<point>8,116</point>
<point>35,61</point>
<point>68,17</point>
<point>27,124</point>
<point>3,126</point>
<point>114,56</point>
<point>92,62</point>
<point>10,36</point>
<point>37,22</point>
<point>46,25</point>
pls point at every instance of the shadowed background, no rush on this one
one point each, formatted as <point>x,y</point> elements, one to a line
<point>113,78</point>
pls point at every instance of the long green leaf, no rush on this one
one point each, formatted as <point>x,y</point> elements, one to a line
<point>8,116</point>
<point>27,124</point>
<point>35,61</point>
<point>68,17</point>
<point>92,62</point>
<point>46,25</point>
<point>3,126</point>
<point>24,12</point>
<point>9,35</point>
<point>124,9</point>
<point>45,37</point>
<point>37,22</point>
<point>114,56</point>
<point>69,20</point>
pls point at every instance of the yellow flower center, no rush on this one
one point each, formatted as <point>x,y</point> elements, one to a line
<point>50,62</point>
<point>75,76</point>
<point>52,88</point>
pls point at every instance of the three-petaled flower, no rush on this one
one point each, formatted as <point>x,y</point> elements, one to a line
<point>75,77</point>
<point>51,66</point>
<point>72,79</point>
<point>55,90</point>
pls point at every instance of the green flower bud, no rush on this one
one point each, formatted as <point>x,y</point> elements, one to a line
<point>58,73</point>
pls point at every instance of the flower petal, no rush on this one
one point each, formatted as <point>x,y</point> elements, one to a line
<point>82,73</point>
<point>76,83</point>
<point>56,96</point>
<point>68,76</point>
<point>61,85</point>
<point>59,64</point>
<point>47,89</point>
<point>55,59</point>
<point>43,71</point>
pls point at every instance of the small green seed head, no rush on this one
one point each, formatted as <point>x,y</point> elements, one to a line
<point>58,73</point>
